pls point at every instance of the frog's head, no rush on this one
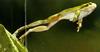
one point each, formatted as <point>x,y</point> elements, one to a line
<point>89,5</point>
<point>86,9</point>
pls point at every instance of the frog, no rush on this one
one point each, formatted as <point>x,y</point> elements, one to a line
<point>74,14</point>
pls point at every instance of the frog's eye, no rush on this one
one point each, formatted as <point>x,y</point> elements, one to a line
<point>90,3</point>
<point>87,4</point>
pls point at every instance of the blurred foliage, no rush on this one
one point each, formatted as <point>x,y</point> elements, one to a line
<point>60,38</point>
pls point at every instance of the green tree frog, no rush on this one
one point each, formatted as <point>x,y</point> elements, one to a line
<point>72,14</point>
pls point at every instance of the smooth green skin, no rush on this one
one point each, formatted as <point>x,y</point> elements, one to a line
<point>52,20</point>
<point>9,43</point>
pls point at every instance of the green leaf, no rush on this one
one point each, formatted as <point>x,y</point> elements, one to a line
<point>9,43</point>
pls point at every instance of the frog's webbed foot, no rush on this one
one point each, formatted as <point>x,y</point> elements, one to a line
<point>79,24</point>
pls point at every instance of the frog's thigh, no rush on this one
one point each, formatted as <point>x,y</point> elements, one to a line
<point>35,29</point>
<point>39,29</point>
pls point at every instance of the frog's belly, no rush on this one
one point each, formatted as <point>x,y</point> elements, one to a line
<point>84,14</point>
<point>70,16</point>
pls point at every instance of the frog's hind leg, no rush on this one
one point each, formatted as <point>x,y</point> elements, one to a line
<point>36,23</point>
<point>35,29</point>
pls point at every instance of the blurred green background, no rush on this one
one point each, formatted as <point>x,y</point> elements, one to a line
<point>60,38</point>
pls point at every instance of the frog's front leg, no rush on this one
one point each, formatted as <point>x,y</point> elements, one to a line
<point>79,24</point>
<point>77,13</point>
<point>79,21</point>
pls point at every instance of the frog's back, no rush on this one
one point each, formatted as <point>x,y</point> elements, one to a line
<point>70,10</point>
